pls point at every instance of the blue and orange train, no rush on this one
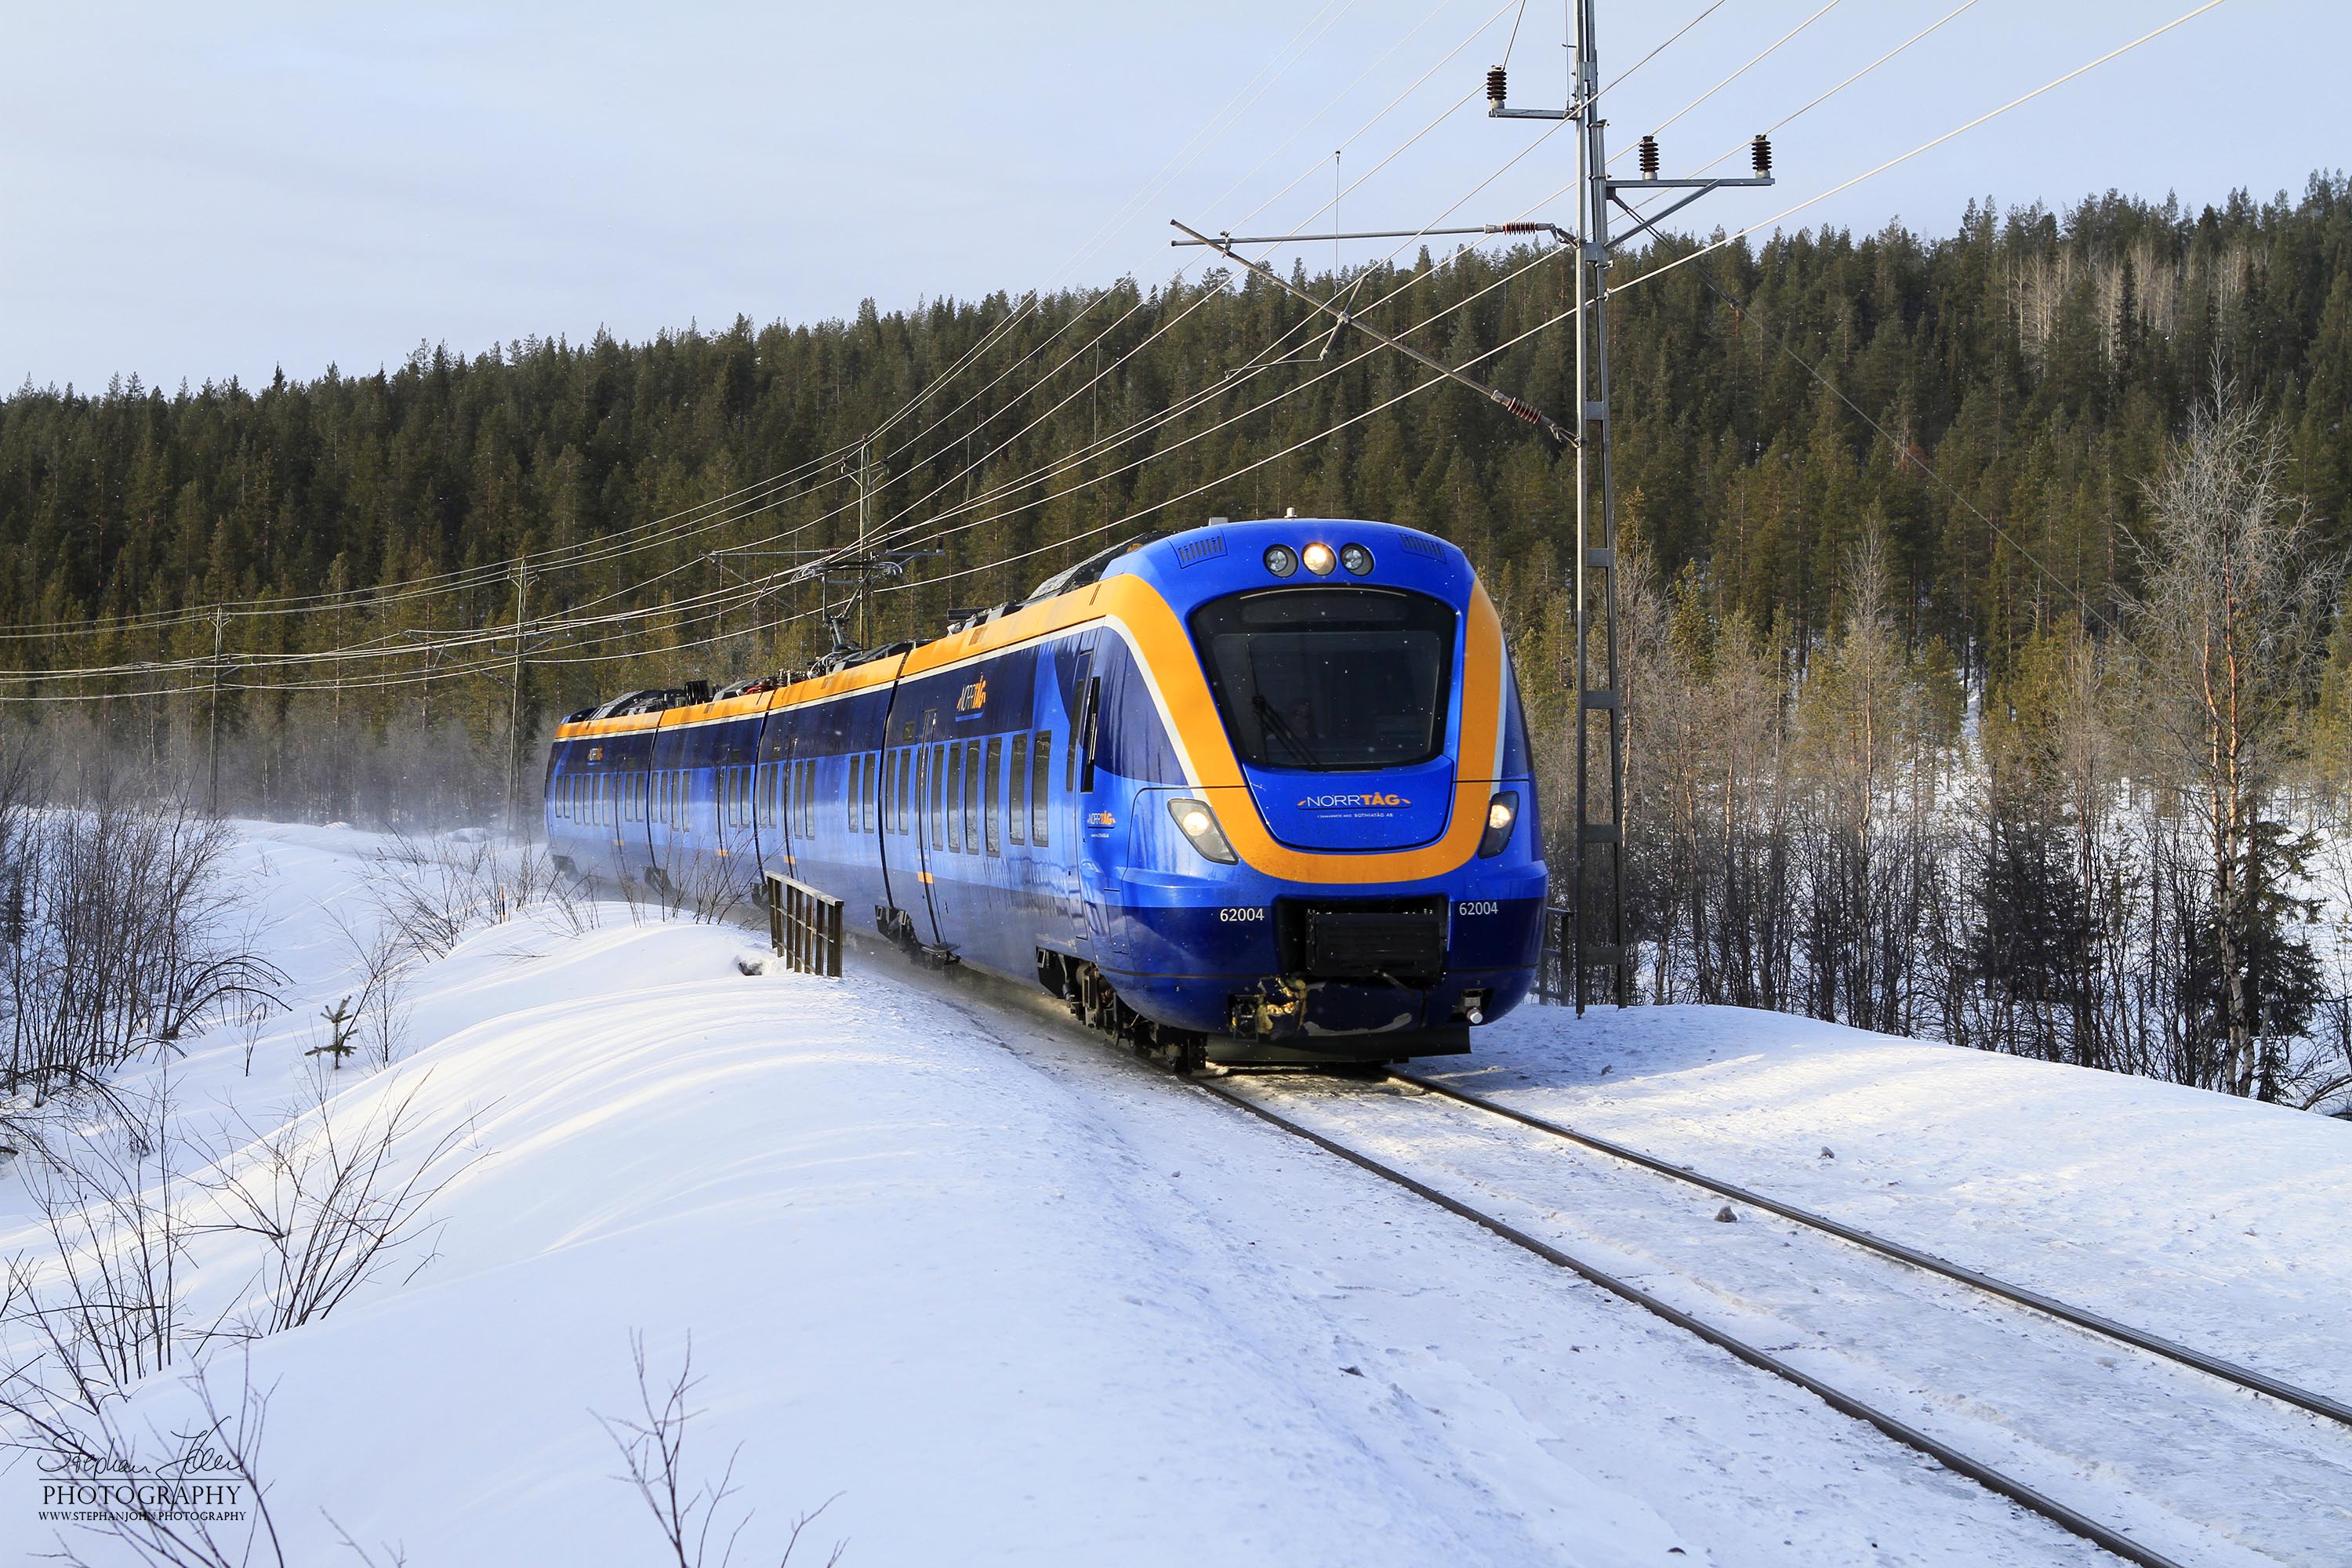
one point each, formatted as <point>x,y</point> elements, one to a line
<point>1254,792</point>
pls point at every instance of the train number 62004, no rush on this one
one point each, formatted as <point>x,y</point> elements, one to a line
<point>1230,915</point>
<point>1476,907</point>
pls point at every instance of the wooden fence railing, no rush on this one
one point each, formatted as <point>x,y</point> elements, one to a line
<point>806,927</point>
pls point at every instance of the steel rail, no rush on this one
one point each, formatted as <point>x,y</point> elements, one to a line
<point>2080,1318</point>
<point>2105,1537</point>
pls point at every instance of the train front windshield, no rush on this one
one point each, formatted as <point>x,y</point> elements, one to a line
<point>1329,679</point>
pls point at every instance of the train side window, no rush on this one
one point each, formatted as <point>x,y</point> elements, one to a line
<point>972,797</point>
<point>849,792</point>
<point>939,766</point>
<point>1016,792</point>
<point>1091,740</point>
<point>955,796</point>
<point>922,790</point>
<point>1041,785</point>
<point>994,806</point>
<point>906,765</point>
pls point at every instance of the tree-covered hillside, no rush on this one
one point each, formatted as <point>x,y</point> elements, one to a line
<point>2037,364</point>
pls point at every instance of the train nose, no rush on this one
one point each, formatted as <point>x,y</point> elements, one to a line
<point>1399,808</point>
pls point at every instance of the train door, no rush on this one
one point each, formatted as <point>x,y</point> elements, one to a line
<point>931,794</point>
<point>1081,885</point>
<point>895,842</point>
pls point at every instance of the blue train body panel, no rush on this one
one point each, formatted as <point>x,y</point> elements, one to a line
<point>1290,811</point>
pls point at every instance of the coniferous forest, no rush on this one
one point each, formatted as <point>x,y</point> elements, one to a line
<point>1989,672</point>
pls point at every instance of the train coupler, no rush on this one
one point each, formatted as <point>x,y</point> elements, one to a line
<point>1276,1008</point>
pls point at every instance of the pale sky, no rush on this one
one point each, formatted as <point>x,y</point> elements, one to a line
<point>206,191</point>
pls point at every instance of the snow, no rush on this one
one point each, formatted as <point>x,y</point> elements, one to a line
<point>1004,1295</point>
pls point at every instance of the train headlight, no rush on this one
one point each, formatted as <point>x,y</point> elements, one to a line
<point>1502,815</point>
<point>1319,558</point>
<point>1355,559</point>
<point>1198,823</point>
<point>1281,560</point>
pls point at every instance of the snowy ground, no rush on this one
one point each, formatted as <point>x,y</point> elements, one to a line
<point>1004,1295</point>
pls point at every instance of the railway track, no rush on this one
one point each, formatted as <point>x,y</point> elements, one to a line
<point>2275,1466</point>
<point>1319,1112</point>
<point>2247,1378</point>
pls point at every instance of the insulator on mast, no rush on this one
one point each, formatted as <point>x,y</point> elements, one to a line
<point>1649,157</point>
<point>1496,85</point>
<point>1760,154</point>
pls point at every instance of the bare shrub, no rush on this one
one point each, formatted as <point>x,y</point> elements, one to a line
<point>328,1201</point>
<point>104,1310</point>
<point>652,1446</point>
<point>430,892</point>
<point>123,932</point>
<point>699,888</point>
<point>381,956</point>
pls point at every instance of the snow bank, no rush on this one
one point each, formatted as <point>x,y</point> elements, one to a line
<point>1004,1295</point>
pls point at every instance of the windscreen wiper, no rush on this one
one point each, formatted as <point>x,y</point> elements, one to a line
<point>1269,719</point>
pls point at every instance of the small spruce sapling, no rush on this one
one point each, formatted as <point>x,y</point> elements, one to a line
<point>342,1022</point>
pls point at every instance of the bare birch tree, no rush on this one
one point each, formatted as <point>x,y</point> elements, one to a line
<point>2227,633</point>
